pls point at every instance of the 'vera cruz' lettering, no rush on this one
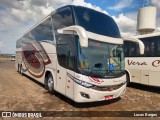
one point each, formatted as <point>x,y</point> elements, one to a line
<point>136,63</point>
<point>156,63</point>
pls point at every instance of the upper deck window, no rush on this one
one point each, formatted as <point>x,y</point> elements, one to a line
<point>62,18</point>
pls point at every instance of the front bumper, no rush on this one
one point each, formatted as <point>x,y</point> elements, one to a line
<point>96,95</point>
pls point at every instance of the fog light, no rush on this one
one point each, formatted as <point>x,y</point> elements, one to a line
<point>85,95</point>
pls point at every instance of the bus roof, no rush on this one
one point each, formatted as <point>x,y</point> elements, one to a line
<point>43,19</point>
<point>49,15</point>
<point>147,35</point>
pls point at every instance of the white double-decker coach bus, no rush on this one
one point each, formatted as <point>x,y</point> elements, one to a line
<point>143,69</point>
<point>77,52</point>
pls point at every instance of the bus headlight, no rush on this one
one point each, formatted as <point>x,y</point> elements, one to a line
<point>83,83</point>
<point>80,82</point>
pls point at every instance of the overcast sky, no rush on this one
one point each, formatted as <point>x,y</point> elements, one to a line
<point>17,16</point>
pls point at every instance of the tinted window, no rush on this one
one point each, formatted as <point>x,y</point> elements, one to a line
<point>67,51</point>
<point>96,22</point>
<point>66,44</point>
<point>126,49</point>
<point>39,33</point>
<point>152,46</point>
<point>62,18</point>
<point>26,39</point>
<point>131,49</point>
<point>158,46</point>
<point>62,55</point>
<point>43,31</point>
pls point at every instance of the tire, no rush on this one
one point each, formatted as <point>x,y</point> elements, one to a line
<point>21,70</point>
<point>49,83</point>
<point>18,68</point>
<point>128,79</point>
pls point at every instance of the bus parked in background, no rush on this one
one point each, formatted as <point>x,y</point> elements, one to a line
<point>143,69</point>
<point>77,52</point>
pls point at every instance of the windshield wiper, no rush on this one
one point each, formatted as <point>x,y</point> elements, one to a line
<point>96,74</point>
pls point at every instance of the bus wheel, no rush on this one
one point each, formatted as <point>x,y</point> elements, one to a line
<point>49,83</point>
<point>128,79</point>
<point>18,68</point>
<point>21,70</point>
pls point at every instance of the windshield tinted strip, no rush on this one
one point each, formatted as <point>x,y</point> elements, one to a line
<point>103,38</point>
<point>96,22</point>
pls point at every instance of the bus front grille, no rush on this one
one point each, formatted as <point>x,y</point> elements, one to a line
<point>108,88</point>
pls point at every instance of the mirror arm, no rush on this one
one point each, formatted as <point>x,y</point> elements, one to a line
<point>80,31</point>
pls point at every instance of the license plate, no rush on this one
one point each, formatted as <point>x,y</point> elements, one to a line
<point>108,97</point>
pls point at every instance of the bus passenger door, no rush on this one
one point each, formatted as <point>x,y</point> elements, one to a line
<point>61,68</point>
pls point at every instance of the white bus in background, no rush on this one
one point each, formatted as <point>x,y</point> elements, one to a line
<point>13,57</point>
<point>143,69</point>
<point>77,52</point>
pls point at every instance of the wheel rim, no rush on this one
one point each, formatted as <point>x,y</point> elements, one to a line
<point>21,71</point>
<point>18,68</point>
<point>50,83</point>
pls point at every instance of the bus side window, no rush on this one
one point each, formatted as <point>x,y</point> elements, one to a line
<point>132,49</point>
<point>152,48</point>
<point>149,44</point>
<point>126,50</point>
<point>66,51</point>
<point>62,54</point>
<point>43,31</point>
<point>62,18</point>
<point>158,46</point>
<point>137,50</point>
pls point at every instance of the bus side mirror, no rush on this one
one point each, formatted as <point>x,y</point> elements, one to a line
<point>141,46</point>
<point>140,43</point>
<point>80,31</point>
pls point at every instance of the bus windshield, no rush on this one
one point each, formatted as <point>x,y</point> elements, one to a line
<point>102,60</point>
<point>96,22</point>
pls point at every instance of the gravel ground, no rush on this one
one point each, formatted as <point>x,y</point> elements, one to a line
<point>20,93</point>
